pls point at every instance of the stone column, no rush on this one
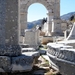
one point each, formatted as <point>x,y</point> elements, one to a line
<point>23,25</point>
<point>56,8</point>
<point>49,22</point>
<point>23,17</point>
<point>9,28</point>
<point>56,22</point>
<point>56,27</point>
<point>23,20</point>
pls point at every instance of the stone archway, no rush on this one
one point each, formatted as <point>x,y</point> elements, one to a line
<point>53,7</point>
<point>36,11</point>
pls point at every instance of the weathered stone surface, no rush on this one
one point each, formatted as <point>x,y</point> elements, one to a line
<point>65,67</point>
<point>5,64</point>
<point>62,51</point>
<point>24,46</point>
<point>9,22</point>
<point>31,38</point>
<point>2,24</point>
<point>9,28</point>
<point>10,50</point>
<point>22,63</point>
<point>28,49</point>
<point>32,54</point>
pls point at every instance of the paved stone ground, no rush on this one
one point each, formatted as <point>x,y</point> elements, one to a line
<point>41,67</point>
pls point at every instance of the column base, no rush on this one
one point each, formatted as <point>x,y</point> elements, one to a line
<point>10,50</point>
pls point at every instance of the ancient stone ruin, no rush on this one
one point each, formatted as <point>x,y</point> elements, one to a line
<point>13,22</point>
<point>11,56</point>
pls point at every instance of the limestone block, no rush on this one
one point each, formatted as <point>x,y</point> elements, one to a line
<point>63,26</point>
<point>31,38</point>
<point>22,63</point>
<point>10,50</point>
<point>5,64</point>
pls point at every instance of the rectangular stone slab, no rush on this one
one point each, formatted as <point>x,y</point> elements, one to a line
<point>22,63</point>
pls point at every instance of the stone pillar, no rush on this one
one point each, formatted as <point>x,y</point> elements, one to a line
<point>23,17</point>
<point>9,28</point>
<point>56,9</point>
<point>23,20</point>
<point>56,22</point>
<point>56,27</point>
<point>49,22</point>
<point>23,26</point>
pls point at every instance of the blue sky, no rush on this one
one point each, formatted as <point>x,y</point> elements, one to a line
<point>38,11</point>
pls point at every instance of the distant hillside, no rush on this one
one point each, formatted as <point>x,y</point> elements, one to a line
<point>34,23</point>
<point>67,16</point>
<point>39,22</point>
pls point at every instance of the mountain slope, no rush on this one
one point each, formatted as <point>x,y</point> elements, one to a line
<point>67,16</point>
<point>34,23</point>
<point>39,22</point>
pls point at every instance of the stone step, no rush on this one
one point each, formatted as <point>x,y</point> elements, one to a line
<point>31,52</point>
